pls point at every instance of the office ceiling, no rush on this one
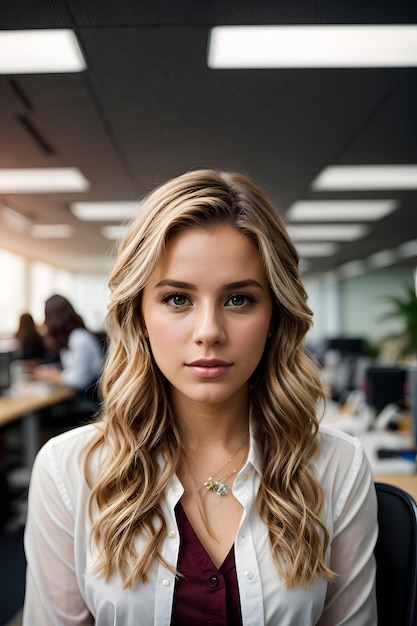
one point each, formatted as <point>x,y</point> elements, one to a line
<point>148,108</point>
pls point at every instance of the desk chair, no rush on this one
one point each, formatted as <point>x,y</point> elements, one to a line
<point>76,411</point>
<point>396,557</point>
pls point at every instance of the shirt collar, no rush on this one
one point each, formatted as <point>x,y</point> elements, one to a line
<point>254,456</point>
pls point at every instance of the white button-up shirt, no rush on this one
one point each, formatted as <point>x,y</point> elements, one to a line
<point>62,591</point>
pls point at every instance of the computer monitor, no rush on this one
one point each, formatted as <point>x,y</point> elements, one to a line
<point>5,378</point>
<point>411,386</point>
<point>385,384</point>
<point>346,345</point>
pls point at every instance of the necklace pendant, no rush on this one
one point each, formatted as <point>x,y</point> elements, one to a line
<point>221,489</point>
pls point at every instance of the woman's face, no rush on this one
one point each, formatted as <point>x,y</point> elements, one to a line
<point>207,309</point>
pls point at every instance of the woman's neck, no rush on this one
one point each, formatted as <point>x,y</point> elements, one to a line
<point>213,426</point>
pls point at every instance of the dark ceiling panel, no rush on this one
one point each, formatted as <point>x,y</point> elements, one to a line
<point>148,108</point>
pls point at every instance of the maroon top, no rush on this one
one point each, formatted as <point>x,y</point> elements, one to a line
<point>204,595</point>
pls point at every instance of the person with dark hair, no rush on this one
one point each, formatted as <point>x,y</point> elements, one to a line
<point>208,492</point>
<point>80,353</point>
<point>31,345</point>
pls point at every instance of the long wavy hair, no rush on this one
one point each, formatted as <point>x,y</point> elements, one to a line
<point>60,320</point>
<point>139,427</point>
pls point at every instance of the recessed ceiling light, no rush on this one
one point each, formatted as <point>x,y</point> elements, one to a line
<point>40,51</point>
<point>13,220</point>
<point>328,232</point>
<point>48,179</point>
<point>340,210</point>
<point>104,211</point>
<point>408,249</point>
<point>351,269</point>
<point>51,231</point>
<point>360,177</point>
<point>316,249</point>
<point>312,46</point>
<point>382,258</point>
<point>114,232</point>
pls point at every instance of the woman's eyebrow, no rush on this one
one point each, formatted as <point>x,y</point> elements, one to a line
<point>239,284</point>
<point>178,284</point>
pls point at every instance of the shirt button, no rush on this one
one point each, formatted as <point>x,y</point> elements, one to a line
<point>249,575</point>
<point>245,477</point>
<point>166,582</point>
<point>213,580</point>
<point>171,534</point>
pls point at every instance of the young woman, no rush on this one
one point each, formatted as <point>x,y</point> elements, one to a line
<point>80,353</point>
<point>206,493</point>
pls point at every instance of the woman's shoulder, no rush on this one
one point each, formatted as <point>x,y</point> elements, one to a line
<point>82,337</point>
<point>339,452</point>
<point>333,437</point>
<point>342,468</point>
<point>80,334</point>
<point>62,454</point>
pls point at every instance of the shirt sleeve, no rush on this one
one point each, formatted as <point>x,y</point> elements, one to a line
<point>52,597</point>
<point>81,361</point>
<point>351,597</point>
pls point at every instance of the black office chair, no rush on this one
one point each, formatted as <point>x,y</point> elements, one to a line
<point>396,557</point>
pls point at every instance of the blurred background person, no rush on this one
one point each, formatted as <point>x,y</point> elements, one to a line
<point>80,352</point>
<point>30,343</point>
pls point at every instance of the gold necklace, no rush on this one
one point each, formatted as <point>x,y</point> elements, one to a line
<point>217,485</point>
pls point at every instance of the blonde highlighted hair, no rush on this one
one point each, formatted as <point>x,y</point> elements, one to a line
<point>139,427</point>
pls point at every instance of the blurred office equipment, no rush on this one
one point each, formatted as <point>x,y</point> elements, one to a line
<point>346,346</point>
<point>396,557</point>
<point>344,362</point>
<point>385,384</point>
<point>411,398</point>
<point>5,376</point>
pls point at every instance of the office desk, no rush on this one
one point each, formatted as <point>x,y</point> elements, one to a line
<point>24,407</point>
<point>408,482</point>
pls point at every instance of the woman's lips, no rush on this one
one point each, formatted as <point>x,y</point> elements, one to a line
<point>209,368</point>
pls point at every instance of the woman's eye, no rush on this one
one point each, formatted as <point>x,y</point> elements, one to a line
<point>176,299</point>
<point>239,300</point>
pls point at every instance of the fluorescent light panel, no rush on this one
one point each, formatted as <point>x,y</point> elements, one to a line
<point>51,231</point>
<point>312,46</point>
<point>408,249</point>
<point>340,210</point>
<point>104,211</point>
<point>359,177</point>
<point>310,250</point>
<point>40,51</point>
<point>13,220</point>
<point>382,258</point>
<point>353,268</point>
<point>49,179</point>
<point>328,232</point>
<point>114,232</point>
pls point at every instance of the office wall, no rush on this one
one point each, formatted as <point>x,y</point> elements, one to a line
<point>363,300</point>
<point>25,285</point>
<point>324,300</point>
<point>354,306</point>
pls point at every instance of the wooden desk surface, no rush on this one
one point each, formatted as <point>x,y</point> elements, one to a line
<point>408,482</point>
<point>16,407</point>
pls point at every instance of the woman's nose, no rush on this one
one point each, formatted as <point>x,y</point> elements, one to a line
<point>209,328</point>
